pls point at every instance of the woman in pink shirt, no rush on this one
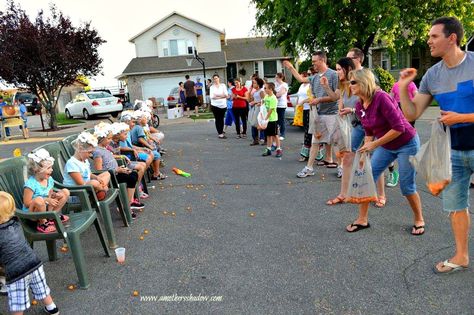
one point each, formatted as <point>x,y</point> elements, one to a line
<point>390,137</point>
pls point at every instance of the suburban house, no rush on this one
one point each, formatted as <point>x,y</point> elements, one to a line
<point>165,53</point>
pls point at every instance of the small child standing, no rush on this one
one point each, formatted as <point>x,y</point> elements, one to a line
<point>24,116</point>
<point>23,268</point>
<point>38,194</point>
<point>271,133</point>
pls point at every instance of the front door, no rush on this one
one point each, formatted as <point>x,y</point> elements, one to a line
<point>231,70</point>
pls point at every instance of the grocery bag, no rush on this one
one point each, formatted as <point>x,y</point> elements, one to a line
<point>252,117</point>
<point>261,121</point>
<point>342,135</point>
<point>298,118</point>
<point>361,184</point>
<point>433,161</point>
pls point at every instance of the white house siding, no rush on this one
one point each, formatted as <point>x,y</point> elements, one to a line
<point>169,34</point>
<point>208,41</point>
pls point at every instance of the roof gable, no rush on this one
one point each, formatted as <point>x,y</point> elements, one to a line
<point>172,25</point>
<point>248,49</point>
<point>132,40</point>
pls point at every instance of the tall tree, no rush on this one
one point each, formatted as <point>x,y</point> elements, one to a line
<point>300,26</point>
<point>47,53</point>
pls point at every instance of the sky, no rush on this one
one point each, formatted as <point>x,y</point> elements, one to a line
<point>117,21</point>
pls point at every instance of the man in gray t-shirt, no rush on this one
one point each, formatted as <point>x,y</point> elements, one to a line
<point>321,84</point>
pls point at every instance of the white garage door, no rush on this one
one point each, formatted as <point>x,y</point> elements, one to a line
<point>160,87</point>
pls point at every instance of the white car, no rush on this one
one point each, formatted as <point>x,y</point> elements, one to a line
<point>87,104</point>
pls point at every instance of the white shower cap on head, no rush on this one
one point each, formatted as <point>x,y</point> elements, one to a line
<point>86,137</point>
<point>40,155</point>
<point>102,130</point>
<point>119,127</point>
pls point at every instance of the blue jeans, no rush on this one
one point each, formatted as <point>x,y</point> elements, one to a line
<point>357,136</point>
<point>382,158</point>
<point>229,118</point>
<point>255,133</point>
<point>281,120</point>
<point>456,194</point>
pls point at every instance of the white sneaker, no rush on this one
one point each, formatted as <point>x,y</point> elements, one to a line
<point>339,172</point>
<point>282,138</point>
<point>305,172</point>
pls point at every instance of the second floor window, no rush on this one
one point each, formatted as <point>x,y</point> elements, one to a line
<point>177,47</point>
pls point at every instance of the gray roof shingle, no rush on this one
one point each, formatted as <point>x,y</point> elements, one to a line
<point>248,49</point>
<point>146,65</point>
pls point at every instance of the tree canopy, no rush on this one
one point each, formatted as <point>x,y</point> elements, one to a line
<point>47,53</point>
<point>301,26</point>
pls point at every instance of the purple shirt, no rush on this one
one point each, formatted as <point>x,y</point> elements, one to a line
<point>382,115</point>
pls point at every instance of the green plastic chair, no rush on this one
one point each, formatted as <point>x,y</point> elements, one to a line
<point>66,143</point>
<point>12,179</point>
<point>103,207</point>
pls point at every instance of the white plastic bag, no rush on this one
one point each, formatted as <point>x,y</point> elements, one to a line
<point>342,134</point>
<point>262,114</point>
<point>433,161</point>
<point>361,184</point>
<point>252,117</point>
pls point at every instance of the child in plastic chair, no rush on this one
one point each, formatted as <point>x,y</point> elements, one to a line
<point>77,170</point>
<point>38,194</point>
<point>23,268</point>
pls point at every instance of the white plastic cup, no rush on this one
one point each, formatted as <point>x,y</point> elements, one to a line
<point>120,253</point>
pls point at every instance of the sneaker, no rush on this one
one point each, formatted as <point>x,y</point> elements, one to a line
<point>46,228</point>
<point>54,311</point>
<point>3,286</point>
<point>262,142</point>
<point>273,147</point>
<point>279,153</point>
<point>305,172</point>
<point>144,195</point>
<point>134,215</point>
<point>392,179</point>
<point>321,154</point>
<point>136,205</point>
<point>339,172</point>
<point>267,152</point>
<point>282,138</point>
<point>255,142</point>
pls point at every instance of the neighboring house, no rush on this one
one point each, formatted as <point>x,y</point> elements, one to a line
<point>162,49</point>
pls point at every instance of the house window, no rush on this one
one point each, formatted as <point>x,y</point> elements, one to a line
<point>398,60</point>
<point>177,47</point>
<point>255,67</point>
<point>384,62</point>
<point>269,68</point>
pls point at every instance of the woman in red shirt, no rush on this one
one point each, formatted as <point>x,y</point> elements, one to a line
<point>240,97</point>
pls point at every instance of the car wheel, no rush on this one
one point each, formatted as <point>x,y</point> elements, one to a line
<point>68,114</point>
<point>86,114</point>
<point>115,114</point>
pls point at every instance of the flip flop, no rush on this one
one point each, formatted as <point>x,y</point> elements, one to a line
<point>454,268</point>
<point>327,164</point>
<point>335,201</point>
<point>380,203</point>
<point>358,227</point>
<point>418,228</point>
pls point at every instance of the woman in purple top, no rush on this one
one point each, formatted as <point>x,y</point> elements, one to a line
<point>391,137</point>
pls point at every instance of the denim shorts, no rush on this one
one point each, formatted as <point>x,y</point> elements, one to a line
<point>456,194</point>
<point>382,158</point>
<point>357,136</point>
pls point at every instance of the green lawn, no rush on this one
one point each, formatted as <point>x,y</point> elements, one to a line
<point>205,115</point>
<point>62,120</point>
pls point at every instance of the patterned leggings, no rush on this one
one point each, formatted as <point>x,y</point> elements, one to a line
<point>307,136</point>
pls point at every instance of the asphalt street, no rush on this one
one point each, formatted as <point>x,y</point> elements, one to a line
<point>249,233</point>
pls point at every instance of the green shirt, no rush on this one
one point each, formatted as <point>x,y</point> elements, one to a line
<point>271,103</point>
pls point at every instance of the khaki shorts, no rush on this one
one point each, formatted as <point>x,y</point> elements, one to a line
<point>324,127</point>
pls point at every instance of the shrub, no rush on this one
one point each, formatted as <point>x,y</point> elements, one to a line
<point>386,80</point>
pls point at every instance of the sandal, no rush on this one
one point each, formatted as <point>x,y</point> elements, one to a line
<point>358,227</point>
<point>302,159</point>
<point>335,201</point>
<point>46,228</point>
<point>381,201</point>
<point>417,228</point>
<point>64,218</point>
<point>453,268</point>
<point>327,164</point>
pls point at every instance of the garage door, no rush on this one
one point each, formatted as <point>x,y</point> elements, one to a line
<point>160,87</point>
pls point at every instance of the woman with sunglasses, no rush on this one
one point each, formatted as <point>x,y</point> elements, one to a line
<point>390,137</point>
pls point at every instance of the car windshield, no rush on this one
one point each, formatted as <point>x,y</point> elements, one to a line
<point>96,95</point>
<point>27,97</point>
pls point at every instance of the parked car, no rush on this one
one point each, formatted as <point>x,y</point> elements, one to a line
<point>87,104</point>
<point>290,110</point>
<point>28,98</point>
<point>173,98</point>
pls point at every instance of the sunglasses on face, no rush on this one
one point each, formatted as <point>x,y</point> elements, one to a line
<point>353,82</point>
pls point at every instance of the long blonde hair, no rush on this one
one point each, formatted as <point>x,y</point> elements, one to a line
<point>7,206</point>
<point>366,80</point>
